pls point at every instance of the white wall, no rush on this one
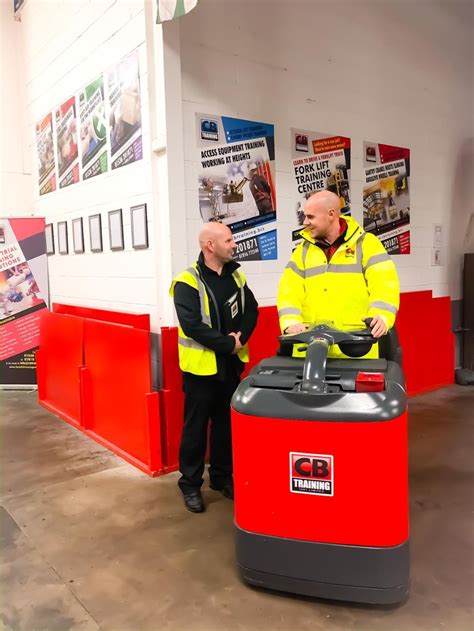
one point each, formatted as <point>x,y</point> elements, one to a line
<point>15,173</point>
<point>68,43</point>
<point>392,71</point>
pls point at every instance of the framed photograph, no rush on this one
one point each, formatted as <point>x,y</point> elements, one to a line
<point>95,233</point>
<point>78,235</point>
<point>138,219</point>
<point>63,246</point>
<point>49,233</point>
<point>116,229</point>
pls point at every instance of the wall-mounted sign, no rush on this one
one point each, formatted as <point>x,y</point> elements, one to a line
<point>320,162</point>
<point>387,195</point>
<point>237,182</point>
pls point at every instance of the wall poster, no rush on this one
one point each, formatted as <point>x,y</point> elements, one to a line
<point>320,162</point>
<point>237,182</point>
<point>93,129</point>
<point>23,296</point>
<point>66,139</point>
<point>387,195</point>
<point>125,118</point>
<point>45,152</point>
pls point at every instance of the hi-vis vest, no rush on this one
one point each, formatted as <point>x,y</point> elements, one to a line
<point>193,357</point>
<point>359,282</point>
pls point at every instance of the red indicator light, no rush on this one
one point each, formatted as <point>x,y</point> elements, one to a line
<point>370,382</point>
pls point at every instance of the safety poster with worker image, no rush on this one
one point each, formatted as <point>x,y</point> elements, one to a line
<point>23,297</point>
<point>387,195</point>
<point>45,152</point>
<point>100,126</point>
<point>125,120</point>
<point>93,140</point>
<point>237,182</point>
<point>320,161</point>
<point>66,143</point>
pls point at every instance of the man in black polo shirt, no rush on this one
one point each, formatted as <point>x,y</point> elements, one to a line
<point>217,313</point>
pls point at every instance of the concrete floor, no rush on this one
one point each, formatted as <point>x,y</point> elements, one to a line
<point>88,542</point>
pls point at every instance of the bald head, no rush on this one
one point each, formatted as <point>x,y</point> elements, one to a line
<point>326,200</point>
<point>322,211</point>
<point>217,244</point>
<point>212,231</point>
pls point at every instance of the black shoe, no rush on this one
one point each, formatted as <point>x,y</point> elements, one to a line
<point>227,490</point>
<point>194,502</point>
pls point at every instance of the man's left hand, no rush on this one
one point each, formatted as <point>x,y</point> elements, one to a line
<point>378,326</point>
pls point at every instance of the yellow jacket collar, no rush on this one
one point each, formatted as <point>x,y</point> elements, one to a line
<point>354,230</point>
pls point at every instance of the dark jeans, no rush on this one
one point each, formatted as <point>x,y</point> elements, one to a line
<point>204,399</point>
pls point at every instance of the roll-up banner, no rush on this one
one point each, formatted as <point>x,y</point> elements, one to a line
<point>24,294</point>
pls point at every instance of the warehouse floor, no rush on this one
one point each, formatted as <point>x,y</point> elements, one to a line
<point>88,542</point>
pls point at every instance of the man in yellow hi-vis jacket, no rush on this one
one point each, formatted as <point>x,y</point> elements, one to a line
<point>337,275</point>
<point>217,313</point>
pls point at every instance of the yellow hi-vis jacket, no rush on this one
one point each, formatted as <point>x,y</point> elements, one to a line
<point>360,281</point>
<point>193,357</point>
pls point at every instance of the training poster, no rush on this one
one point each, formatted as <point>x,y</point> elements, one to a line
<point>237,182</point>
<point>45,150</point>
<point>387,195</point>
<point>66,143</point>
<point>93,129</point>
<point>125,112</point>
<point>23,296</point>
<point>319,162</point>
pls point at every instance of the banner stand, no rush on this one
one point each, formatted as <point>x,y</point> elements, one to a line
<point>24,296</point>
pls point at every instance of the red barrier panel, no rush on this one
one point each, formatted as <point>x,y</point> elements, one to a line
<point>414,334</point>
<point>171,398</point>
<point>59,360</point>
<point>441,343</point>
<point>137,320</point>
<point>119,409</point>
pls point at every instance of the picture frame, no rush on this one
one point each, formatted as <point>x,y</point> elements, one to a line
<point>95,233</point>
<point>49,235</point>
<point>116,229</point>
<point>63,243</point>
<point>138,220</point>
<point>78,236</point>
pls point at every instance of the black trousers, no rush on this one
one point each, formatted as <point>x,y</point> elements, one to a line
<point>206,399</point>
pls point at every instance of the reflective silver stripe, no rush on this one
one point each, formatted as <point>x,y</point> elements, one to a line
<point>202,296</point>
<point>187,342</point>
<point>359,251</point>
<point>202,299</point>
<point>377,258</point>
<point>315,271</point>
<point>292,265</point>
<point>240,285</point>
<point>289,311</point>
<point>386,306</point>
<point>305,252</point>
<point>350,268</point>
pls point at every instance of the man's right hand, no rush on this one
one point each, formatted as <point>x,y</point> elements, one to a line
<point>238,346</point>
<point>295,328</point>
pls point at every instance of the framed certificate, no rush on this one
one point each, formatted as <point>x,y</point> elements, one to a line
<point>78,235</point>
<point>138,217</point>
<point>116,229</point>
<point>49,233</point>
<point>95,233</point>
<point>63,246</point>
